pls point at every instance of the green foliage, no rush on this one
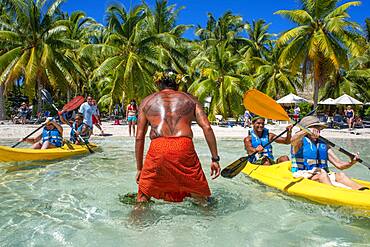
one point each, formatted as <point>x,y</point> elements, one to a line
<point>305,108</point>
<point>367,112</point>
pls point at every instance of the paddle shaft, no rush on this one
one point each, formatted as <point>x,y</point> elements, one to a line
<point>333,145</point>
<point>33,132</point>
<point>49,100</point>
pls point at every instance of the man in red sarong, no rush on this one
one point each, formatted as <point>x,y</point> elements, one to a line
<point>172,170</point>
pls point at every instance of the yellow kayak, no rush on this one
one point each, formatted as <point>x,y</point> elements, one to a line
<point>280,177</point>
<point>8,154</point>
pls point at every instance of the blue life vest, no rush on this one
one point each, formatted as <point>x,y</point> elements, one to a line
<point>53,136</point>
<point>263,140</point>
<point>310,155</point>
<point>73,138</point>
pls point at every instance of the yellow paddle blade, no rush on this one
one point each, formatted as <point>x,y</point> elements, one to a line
<point>264,106</point>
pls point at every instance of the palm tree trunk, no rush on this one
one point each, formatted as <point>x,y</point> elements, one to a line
<point>2,107</point>
<point>38,95</point>
<point>316,84</point>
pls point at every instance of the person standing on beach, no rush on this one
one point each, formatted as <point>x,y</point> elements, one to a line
<point>86,110</point>
<point>350,115</point>
<point>96,116</point>
<point>172,170</point>
<point>258,139</point>
<point>297,111</point>
<point>131,116</point>
<point>247,119</point>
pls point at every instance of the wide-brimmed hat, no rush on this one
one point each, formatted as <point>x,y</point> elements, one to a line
<point>311,121</point>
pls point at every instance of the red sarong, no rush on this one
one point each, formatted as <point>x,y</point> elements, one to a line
<point>172,170</point>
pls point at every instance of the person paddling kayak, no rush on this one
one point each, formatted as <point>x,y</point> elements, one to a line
<point>51,136</point>
<point>310,157</point>
<point>260,136</point>
<point>172,170</point>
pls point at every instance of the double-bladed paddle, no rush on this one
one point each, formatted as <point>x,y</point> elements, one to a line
<point>33,132</point>
<point>47,97</point>
<point>261,104</point>
<point>238,165</point>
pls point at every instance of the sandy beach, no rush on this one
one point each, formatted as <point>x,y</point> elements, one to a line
<point>9,131</point>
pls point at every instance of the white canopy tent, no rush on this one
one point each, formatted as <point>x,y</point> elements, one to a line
<point>291,99</point>
<point>328,101</point>
<point>347,100</point>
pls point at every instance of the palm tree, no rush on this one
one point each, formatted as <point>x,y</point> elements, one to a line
<point>35,45</point>
<point>322,42</point>
<point>219,78</point>
<point>272,77</point>
<point>130,57</point>
<point>258,39</point>
<point>161,23</point>
<point>354,82</point>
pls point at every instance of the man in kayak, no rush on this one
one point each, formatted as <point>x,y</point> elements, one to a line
<point>51,136</point>
<point>260,137</point>
<point>172,170</point>
<point>310,157</point>
<point>79,128</point>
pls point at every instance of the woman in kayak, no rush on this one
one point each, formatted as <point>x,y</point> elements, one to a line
<point>258,139</point>
<point>310,157</point>
<point>51,136</point>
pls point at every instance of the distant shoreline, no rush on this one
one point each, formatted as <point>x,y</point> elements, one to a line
<point>16,131</point>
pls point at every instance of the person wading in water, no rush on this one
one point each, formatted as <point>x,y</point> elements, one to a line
<point>172,170</point>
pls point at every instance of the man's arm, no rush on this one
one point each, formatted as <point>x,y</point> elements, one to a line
<point>283,140</point>
<point>340,164</point>
<point>142,127</point>
<point>203,122</point>
<point>248,146</point>
<point>296,140</point>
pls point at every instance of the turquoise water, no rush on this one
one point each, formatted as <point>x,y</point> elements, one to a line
<point>75,203</point>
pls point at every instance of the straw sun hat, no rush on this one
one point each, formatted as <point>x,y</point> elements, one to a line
<point>311,121</point>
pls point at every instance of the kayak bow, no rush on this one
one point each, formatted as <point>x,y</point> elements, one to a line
<point>8,154</point>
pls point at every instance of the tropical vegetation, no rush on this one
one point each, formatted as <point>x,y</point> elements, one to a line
<point>72,54</point>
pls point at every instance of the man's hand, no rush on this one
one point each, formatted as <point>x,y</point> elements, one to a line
<point>289,128</point>
<point>259,148</point>
<point>137,178</point>
<point>215,169</point>
<point>355,159</point>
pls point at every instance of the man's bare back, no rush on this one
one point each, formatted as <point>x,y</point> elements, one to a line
<point>170,113</point>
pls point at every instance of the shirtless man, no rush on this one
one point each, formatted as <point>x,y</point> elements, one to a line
<point>172,170</point>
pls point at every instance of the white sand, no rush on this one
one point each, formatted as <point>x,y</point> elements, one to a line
<point>8,130</point>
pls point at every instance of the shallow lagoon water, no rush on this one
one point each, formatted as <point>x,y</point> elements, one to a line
<point>75,203</point>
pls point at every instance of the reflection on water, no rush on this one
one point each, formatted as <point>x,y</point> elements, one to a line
<point>75,203</point>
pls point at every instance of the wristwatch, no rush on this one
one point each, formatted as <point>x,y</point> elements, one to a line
<point>215,159</point>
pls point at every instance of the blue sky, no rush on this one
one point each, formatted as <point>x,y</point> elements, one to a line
<point>195,11</point>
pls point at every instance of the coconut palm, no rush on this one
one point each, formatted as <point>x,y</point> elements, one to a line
<point>227,27</point>
<point>354,82</point>
<point>258,40</point>
<point>272,77</point>
<point>35,45</point>
<point>161,23</point>
<point>219,78</point>
<point>322,41</point>
<point>130,56</point>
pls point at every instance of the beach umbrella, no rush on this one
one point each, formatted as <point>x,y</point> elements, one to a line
<point>347,100</point>
<point>328,101</point>
<point>291,99</point>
